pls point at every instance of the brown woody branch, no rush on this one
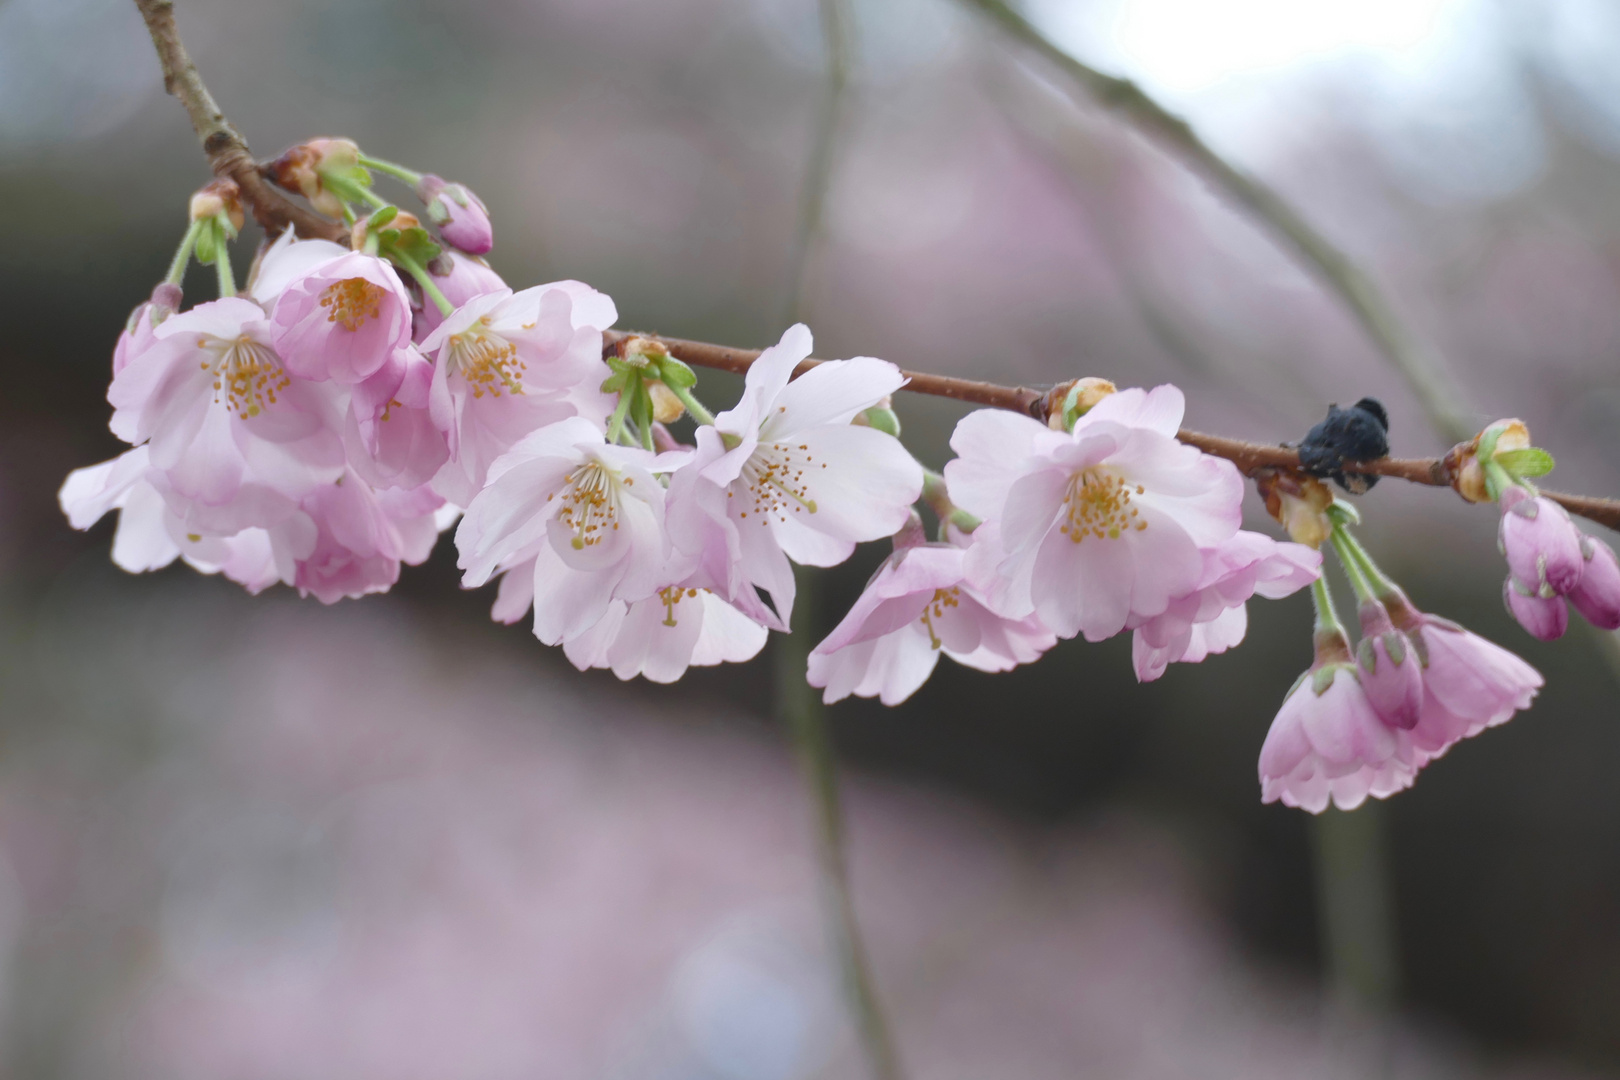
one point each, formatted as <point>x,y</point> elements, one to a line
<point>227,151</point>
<point>228,154</point>
<point>1247,456</point>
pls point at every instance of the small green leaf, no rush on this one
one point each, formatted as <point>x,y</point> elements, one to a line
<point>207,249</point>
<point>1526,461</point>
<point>382,217</point>
<point>415,244</point>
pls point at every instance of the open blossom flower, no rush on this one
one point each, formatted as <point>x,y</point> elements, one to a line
<point>918,605</point>
<point>461,216</point>
<point>389,433</point>
<point>1469,684</point>
<point>1212,617</point>
<point>344,319</point>
<point>212,399</point>
<point>662,635</point>
<point>508,363</point>
<point>1328,743</point>
<point>152,534</point>
<point>587,514</point>
<point>785,475</point>
<point>1102,525</point>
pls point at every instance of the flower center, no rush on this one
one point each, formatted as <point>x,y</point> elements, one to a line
<point>590,506</point>
<point>672,596</point>
<point>246,371</point>
<point>488,362</point>
<point>1099,504</point>
<point>774,476</point>
<point>943,599</point>
<point>352,301</point>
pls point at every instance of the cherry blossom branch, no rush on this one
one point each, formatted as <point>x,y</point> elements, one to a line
<point>1355,288</point>
<point>227,151</point>
<point>1249,457</point>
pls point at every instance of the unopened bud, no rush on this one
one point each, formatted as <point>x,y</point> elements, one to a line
<point>642,350</point>
<point>220,196</point>
<point>1072,400</point>
<point>667,408</point>
<point>401,220</point>
<point>302,167</point>
<point>880,417</point>
<point>1465,459</point>
<point>1300,503</point>
<point>461,216</point>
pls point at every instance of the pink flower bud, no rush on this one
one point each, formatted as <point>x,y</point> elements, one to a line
<point>1542,545</point>
<point>1389,669</point>
<point>461,216</point>
<point>1544,617</point>
<point>1598,595</point>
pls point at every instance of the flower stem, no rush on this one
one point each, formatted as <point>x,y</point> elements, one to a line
<point>615,428</point>
<point>1377,581</point>
<point>693,405</point>
<point>182,256</point>
<point>1344,547</point>
<point>423,278</point>
<point>806,717</point>
<point>398,172</point>
<point>222,267</point>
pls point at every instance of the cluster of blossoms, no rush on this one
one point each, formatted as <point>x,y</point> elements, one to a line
<point>326,424</point>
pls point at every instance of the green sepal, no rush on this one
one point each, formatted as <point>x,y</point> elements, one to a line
<point>208,245</point>
<point>1525,462</point>
<point>414,244</point>
<point>1322,678</point>
<point>1366,658</point>
<point>673,373</point>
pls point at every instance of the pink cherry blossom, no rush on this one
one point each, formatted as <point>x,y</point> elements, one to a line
<point>1102,525</point>
<point>586,515</point>
<point>1328,743</point>
<point>461,217</point>
<point>1597,597</point>
<point>662,635</point>
<point>509,363</point>
<point>458,278</point>
<point>1543,617</point>
<point>137,334</point>
<point>363,535</point>
<point>344,319</point>
<point>785,475</point>
<point>151,534</point>
<point>918,605</point>
<point>1249,564</point>
<point>211,398</point>
<point>1469,684</point>
<point>389,432</point>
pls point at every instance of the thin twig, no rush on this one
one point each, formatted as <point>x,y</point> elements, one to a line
<point>227,151</point>
<point>1249,457</point>
<point>1360,294</point>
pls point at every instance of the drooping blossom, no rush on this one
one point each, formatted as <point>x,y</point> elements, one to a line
<point>509,363</point>
<point>919,604</point>
<point>1212,617</point>
<point>1327,743</point>
<point>1102,525</point>
<point>785,475</point>
<point>1469,684</point>
<point>212,399</point>
<point>151,534</point>
<point>587,515</point>
<point>660,636</point>
<point>390,434</point>
<point>363,535</point>
<point>461,217</point>
<point>1550,560</point>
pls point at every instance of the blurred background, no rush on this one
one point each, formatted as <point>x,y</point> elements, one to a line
<point>264,839</point>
